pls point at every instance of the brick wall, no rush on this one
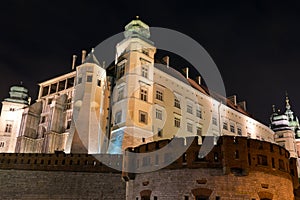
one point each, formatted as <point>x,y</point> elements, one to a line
<point>21,184</point>
<point>176,184</point>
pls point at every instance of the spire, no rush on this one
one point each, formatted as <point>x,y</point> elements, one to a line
<point>91,58</point>
<point>287,101</point>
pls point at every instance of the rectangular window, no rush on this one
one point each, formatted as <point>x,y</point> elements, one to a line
<point>99,82</point>
<point>189,109</point>
<point>199,113</point>
<point>177,103</point>
<point>118,117</point>
<point>68,104</point>
<point>159,95</point>
<point>262,160</point>
<point>8,127</point>
<point>143,93</point>
<point>61,85</point>
<point>89,78</point>
<point>232,128</point>
<point>199,131</point>
<point>53,88</point>
<point>1,144</point>
<point>70,82</point>
<point>225,125</point>
<point>239,131</point>
<point>145,71</point>
<point>121,70</point>
<point>158,114</point>
<point>214,121</point>
<point>69,124</point>
<point>189,127</point>
<point>45,91</point>
<point>177,122</point>
<point>43,119</point>
<point>143,117</point>
<point>120,93</point>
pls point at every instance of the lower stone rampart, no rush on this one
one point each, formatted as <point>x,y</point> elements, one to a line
<point>32,184</point>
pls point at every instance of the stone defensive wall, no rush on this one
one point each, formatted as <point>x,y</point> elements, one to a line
<point>60,176</point>
<point>235,168</point>
<point>220,168</point>
<point>60,161</point>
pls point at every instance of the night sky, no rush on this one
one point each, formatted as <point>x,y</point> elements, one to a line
<point>255,44</point>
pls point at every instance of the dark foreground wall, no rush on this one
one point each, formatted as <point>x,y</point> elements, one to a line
<point>22,184</point>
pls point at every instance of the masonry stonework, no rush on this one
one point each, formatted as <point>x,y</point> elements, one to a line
<point>21,184</point>
<point>178,184</point>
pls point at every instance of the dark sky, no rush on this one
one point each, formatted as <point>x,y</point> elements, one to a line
<point>255,44</point>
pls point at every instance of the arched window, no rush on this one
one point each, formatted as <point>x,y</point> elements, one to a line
<point>201,193</point>
<point>145,194</point>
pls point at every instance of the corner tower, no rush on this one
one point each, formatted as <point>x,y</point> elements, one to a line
<point>133,92</point>
<point>285,127</point>
<point>11,115</point>
<point>88,130</point>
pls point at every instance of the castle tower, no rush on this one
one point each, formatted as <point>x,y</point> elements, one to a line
<point>284,127</point>
<point>11,115</point>
<point>133,91</point>
<point>89,133</point>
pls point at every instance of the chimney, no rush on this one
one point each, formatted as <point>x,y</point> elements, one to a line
<point>242,104</point>
<point>232,99</point>
<point>74,61</point>
<point>166,59</point>
<point>199,80</point>
<point>83,56</point>
<point>186,72</point>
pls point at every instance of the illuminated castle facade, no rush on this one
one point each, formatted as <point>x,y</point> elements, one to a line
<point>132,102</point>
<point>139,105</point>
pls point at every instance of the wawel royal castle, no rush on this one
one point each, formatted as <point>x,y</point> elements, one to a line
<point>138,105</point>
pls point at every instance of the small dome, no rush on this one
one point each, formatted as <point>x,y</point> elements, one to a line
<point>137,28</point>
<point>18,94</point>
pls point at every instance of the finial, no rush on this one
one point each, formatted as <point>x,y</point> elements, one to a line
<point>288,106</point>
<point>137,17</point>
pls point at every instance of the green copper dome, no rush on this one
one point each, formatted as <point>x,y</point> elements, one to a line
<point>18,94</point>
<point>137,28</point>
